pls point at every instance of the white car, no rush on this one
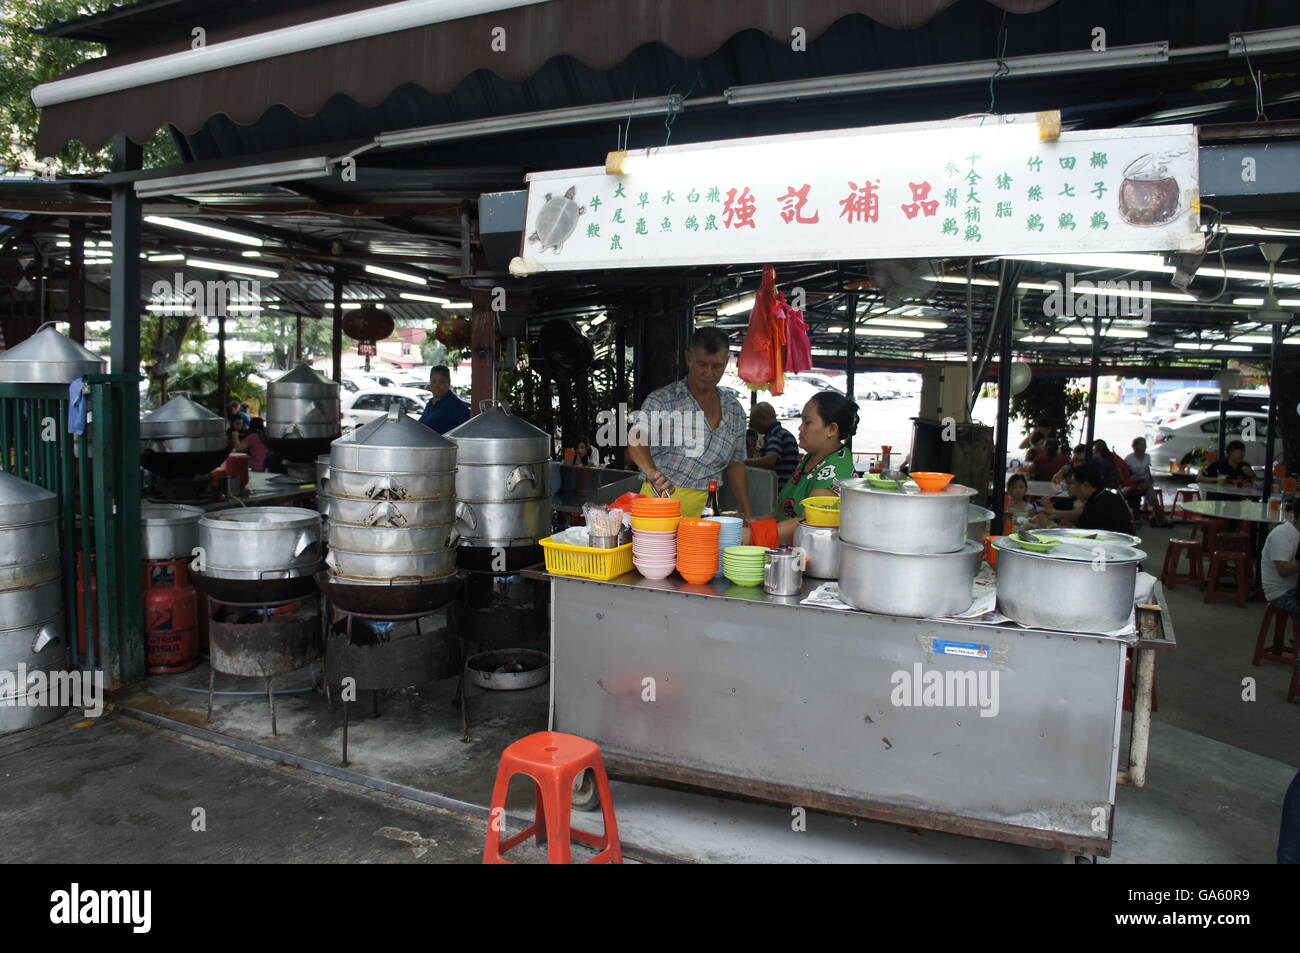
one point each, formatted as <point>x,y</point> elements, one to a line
<point>1175,440</point>
<point>874,387</point>
<point>1176,404</point>
<point>820,381</point>
<point>370,404</point>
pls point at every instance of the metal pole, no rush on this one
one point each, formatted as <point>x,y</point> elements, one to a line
<point>336,330</point>
<point>1270,425</point>
<point>482,338</point>
<point>77,280</point>
<point>1004,417</point>
<point>1092,381</point>
<point>851,353</point>
<point>297,340</point>
<point>223,385</point>
<point>620,378</point>
<point>1223,412</point>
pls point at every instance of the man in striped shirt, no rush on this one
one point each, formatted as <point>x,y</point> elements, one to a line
<point>780,450</point>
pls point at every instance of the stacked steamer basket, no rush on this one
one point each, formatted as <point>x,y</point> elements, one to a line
<point>502,486</point>
<point>392,508</point>
<point>904,551</point>
<point>31,603</point>
<point>302,414</point>
<point>323,486</point>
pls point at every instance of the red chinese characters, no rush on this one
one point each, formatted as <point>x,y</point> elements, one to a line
<point>792,206</point>
<point>921,201</point>
<point>738,210</point>
<point>862,203</point>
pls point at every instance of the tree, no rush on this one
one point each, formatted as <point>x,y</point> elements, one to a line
<point>27,60</point>
<point>279,332</point>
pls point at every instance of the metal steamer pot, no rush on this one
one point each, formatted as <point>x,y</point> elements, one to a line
<point>1075,587</point>
<point>396,485</point>
<point>392,444</point>
<point>303,413</point>
<point>260,542</point>
<point>39,646</point>
<point>502,479</point>
<point>978,522</point>
<point>29,535</point>
<point>396,514</point>
<point>920,585</point>
<point>20,608</point>
<point>907,520</point>
<point>182,439</point>
<point>391,540</point>
<point>822,544</point>
<point>323,485</point>
<point>169,530</point>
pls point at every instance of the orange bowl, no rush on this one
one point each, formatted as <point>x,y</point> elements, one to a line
<point>706,529</point>
<point>932,482</point>
<point>698,576</point>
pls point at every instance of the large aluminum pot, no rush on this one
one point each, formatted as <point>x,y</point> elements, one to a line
<point>502,482</point>
<point>822,544</point>
<point>388,539</point>
<point>393,443</point>
<point>401,514</point>
<point>168,530</point>
<point>395,568</point>
<point>978,522</point>
<point>323,485</point>
<point>260,542</point>
<point>400,485</point>
<point>521,523</point>
<point>1084,587</point>
<point>39,646</point>
<point>922,585</point>
<point>48,357</point>
<point>26,705</point>
<point>29,533</point>
<point>1090,537</point>
<point>906,520</point>
<point>20,608</point>
<point>496,436</point>
<point>180,418</point>
<point>302,405</point>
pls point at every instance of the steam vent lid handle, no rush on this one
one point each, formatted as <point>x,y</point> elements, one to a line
<point>394,412</point>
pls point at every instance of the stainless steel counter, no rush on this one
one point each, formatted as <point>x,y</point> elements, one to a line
<point>996,732</point>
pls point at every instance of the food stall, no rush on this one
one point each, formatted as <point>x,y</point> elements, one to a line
<point>919,689</point>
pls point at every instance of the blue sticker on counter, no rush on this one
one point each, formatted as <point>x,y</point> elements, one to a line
<point>967,649</point>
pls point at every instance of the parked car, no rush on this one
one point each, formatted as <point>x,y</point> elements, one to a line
<point>874,387</point>
<point>1195,400</point>
<point>364,406</point>
<point>1180,438</point>
<point>820,381</point>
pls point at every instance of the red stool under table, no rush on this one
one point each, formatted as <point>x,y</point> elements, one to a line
<point>1279,651</point>
<point>1170,575</point>
<point>1240,565</point>
<point>554,761</point>
<point>1177,511</point>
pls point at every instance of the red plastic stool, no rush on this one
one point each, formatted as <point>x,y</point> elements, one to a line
<point>1279,651</point>
<point>554,761</point>
<point>1209,529</point>
<point>1239,563</point>
<point>1177,512</point>
<point>1170,575</point>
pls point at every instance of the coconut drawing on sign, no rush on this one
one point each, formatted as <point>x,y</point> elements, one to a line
<point>557,220</point>
<point>1149,195</point>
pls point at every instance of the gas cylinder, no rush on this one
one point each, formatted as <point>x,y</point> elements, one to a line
<point>170,617</point>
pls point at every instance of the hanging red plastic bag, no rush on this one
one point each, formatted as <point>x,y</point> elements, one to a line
<point>798,349</point>
<point>757,365</point>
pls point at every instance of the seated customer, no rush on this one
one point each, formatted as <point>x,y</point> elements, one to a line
<point>1080,456</point>
<point>1141,483</point>
<point>1019,510</point>
<point>1278,566</point>
<point>1114,471</point>
<point>1234,468</point>
<point>1098,508</point>
<point>1050,462</point>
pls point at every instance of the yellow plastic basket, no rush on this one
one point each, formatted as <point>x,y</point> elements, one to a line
<point>586,562</point>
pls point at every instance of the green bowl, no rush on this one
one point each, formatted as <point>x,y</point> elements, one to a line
<point>1035,547</point>
<point>880,483</point>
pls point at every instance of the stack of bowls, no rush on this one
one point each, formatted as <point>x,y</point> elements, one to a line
<point>729,535</point>
<point>697,549</point>
<point>654,536</point>
<point>743,565</point>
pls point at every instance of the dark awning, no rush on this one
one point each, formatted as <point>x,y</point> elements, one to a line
<point>194,85</point>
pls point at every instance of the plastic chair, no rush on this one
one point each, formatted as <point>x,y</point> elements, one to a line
<point>554,761</point>
<point>1278,651</point>
<point>1240,565</point>
<point>1170,575</point>
<point>1177,511</point>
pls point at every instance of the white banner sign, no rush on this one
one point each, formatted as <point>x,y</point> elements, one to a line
<point>964,188</point>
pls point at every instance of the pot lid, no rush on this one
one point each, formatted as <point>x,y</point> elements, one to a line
<point>395,429</point>
<point>181,416</point>
<point>908,491</point>
<point>23,502</point>
<point>48,357</point>
<point>1087,537</point>
<point>495,432</point>
<point>170,514</point>
<point>1083,551</point>
<point>301,381</point>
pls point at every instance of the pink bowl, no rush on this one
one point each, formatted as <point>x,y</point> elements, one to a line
<point>654,572</point>
<point>654,533</point>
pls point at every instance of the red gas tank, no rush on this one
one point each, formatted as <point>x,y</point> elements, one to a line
<point>170,617</point>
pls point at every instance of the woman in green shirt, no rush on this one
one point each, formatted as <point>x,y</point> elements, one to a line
<point>828,420</point>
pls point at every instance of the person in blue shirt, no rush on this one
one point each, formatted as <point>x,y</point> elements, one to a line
<point>444,411</point>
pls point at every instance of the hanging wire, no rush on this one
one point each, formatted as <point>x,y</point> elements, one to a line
<point>675,106</point>
<point>1256,77</point>
<point>1003,69</point>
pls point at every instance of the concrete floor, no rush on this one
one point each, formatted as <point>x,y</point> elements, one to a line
<point>1218,768</point>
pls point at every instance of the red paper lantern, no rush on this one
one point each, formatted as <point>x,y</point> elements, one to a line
<point>453,333</point>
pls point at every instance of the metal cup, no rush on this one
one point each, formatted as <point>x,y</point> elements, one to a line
<point>603,542</point>
<point>783,572</point>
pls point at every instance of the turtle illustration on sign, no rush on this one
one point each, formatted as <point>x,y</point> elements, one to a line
<point>557,220</point>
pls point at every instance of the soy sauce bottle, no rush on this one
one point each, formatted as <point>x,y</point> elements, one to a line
<point>711,507</point>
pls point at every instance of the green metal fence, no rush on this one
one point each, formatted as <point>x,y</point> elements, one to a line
<point>97,480</point>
